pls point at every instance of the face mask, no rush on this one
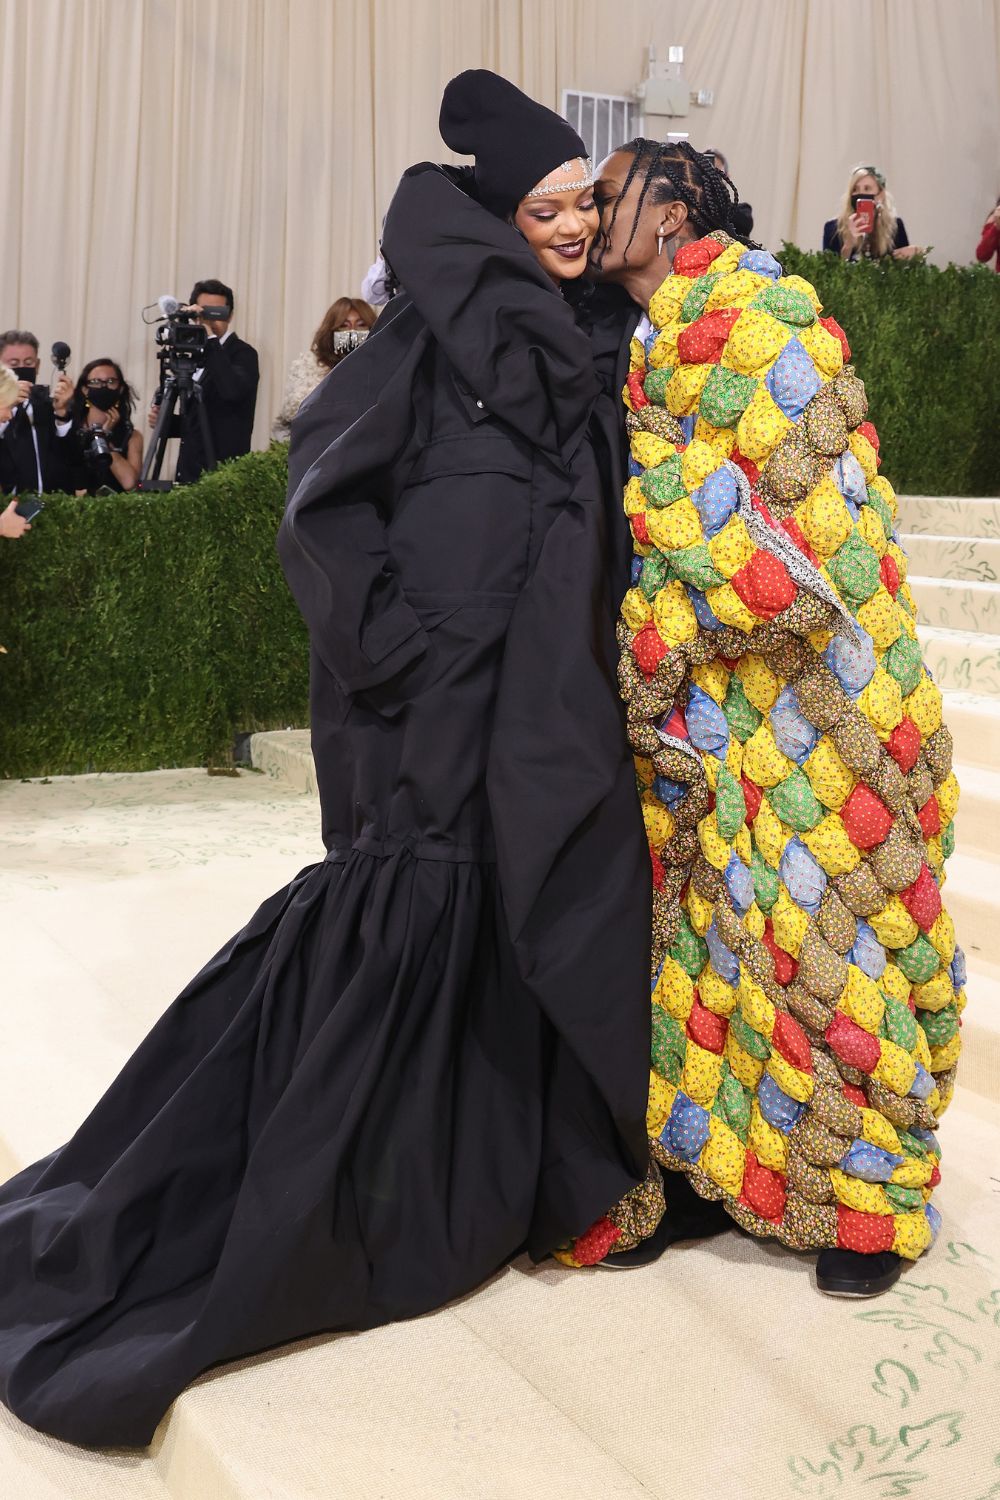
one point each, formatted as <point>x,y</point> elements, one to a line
<point>102,398</point>
<point>25,372</point>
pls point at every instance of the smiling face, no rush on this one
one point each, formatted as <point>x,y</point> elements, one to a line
<point>560,226</point>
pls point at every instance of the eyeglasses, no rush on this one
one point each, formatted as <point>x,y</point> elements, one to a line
<point>103,385</point>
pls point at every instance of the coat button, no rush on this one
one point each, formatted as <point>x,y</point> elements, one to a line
<point>480,405</point>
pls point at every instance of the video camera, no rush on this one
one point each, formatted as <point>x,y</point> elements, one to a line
<point>181,336</point>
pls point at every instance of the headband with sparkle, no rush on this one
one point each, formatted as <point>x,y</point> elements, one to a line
<point>546,188</point>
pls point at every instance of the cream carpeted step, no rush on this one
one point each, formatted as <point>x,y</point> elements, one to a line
<point>941,515</point>
<point>286,756</point>
<point>972,896</point>
<point>976,559</point>
<point>957,604</point>
<point>977,823</point>
<point>974,720</point>
<point>962,660</point>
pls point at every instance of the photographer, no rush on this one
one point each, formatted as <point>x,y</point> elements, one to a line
<point>346,315</point>
<point>868,226</point>
<point>108,449</point>
<point>33,423</point>
<point>229,376</point>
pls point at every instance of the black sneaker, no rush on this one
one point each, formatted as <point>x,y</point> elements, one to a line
<point>846,1273</point>
<point>688,1217</point>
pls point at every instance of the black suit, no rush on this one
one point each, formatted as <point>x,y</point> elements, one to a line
<point>229,380</point>
<point>18,464</point>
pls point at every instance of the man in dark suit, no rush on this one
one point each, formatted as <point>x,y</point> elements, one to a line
<point>35,424</point>
<point>229,378</point>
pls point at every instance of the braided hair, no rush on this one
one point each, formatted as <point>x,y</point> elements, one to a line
<point>672,171</point>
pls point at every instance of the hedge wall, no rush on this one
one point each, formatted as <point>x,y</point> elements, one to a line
<point>145,630</point>
<point>926,342</point>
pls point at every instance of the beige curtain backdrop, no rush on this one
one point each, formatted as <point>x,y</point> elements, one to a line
<point>146,143</point>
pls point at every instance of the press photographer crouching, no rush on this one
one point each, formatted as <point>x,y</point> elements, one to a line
<point>107,450</point>
<point>208,385</point>
<point>34,423</point>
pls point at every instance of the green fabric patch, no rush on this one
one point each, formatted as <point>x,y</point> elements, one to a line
<point>766,882</point>
<point>669,1046</point>
<point>854,569</point>
<point>904,1200</point>
<point>913,1146</point>
<point>663,485</point>
<point>880,508</point>
<point>655,385</point>
<point>787,305</point>
<point>751,1041</point>
<point>732,1103</point>
<point>919,961</point>
<point>741,716</point>
<point>948,840</point>
<point>939,1026</point>
<point>688,949</point>
<point>899,1023</point>
<point>655,573</point>
<point>795,802</point>
<point>904,662</point>
<point>694,303</point>
<point>730,804</point>
<point>726,396</point>
<point>694,565</point>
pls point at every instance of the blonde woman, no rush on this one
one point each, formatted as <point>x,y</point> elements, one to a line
<point>346,315</point>
<point>847,235</point>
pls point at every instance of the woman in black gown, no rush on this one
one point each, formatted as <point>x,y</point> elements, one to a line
<point>431,1050</point>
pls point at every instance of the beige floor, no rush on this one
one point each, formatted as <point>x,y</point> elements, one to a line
<point>717,1372</point>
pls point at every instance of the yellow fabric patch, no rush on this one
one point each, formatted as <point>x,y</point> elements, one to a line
<point>702,1074</point>
<point>674,990</point>
<point>713,678</point>
<point>871,530</point>
<point>664,351</point>
<point>762,425</point>
<point>876,1129</point>
<point>947,792</point>
<point>658,820</point>
<point>731,547</point>
<point>683,393</point>
<point>715,994</point>
<point>674,526</point>
<point>769,834</point>
<point>799,284</point>
<point>736,289</point>
<point>754,919</point>
<point>720,439</point>
<point>893,925</point>
<point>743,844</point>
<point>862,1000</point>
<point>754,343</point>
<point>659,1103</point>
<point>636,609</point>
<point>823,349</point>
<point>744,1067</point>
<point>922,1051</point>
<point>730,259</point>
<point>829,843</point>
<point>666,302</point>
<point>763,762</point>
<point>824,518</point>
<point>755,1008</point>
<point>895,1068</point>
<point>913,1235</point>
<point>796,1084</point>
<point>634,499</point>
<point>727,605</point>
<point>723,1157</point>
<point>649,450</point>
<point>936,993</point>
<point>881,702</point>
<point>895,983</point>
<point>865,455</point>
<point>700,912</point>
<point>942,935</point>
<point>790,923</point>
<point>935,856</point>
<point>714,847</point>
<point>697,462</point>
<point>880,618</point>
<point>943,1058</point>
<point>759,682</point>
<point>829,777</point>
<point>865,1197</point>
<point>673,613</point>
<point>880,486</point>
<point>769,1145</point>
<point>734,761</point>
<point>914,1172</point>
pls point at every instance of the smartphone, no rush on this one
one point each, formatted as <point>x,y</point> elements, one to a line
<point>865,210</point>
<point>29,507</point>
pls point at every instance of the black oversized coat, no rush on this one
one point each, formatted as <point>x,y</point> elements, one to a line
<point>430,1051</point>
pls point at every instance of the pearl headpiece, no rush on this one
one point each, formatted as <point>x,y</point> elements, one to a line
<point>546,188</point>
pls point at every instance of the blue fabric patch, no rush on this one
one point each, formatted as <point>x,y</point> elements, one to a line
<point>669,792</point>
<point>655,980</point>
<point>650,340</point>
<point>803,876</point>
<point>925,1137</point>
<point>869,1162</point>
<point>794,734</point>
<point>792,380</point>
<point>723,959</point>
<point>687,427</point>
<point>686,1131</point>
<point>635,468</point>
<point>707,724</point>
<point>703,611</point>
<point>867,952</point>
<point>958,970</point>
<point>853,666</point>
<point>933,1219</point>
<point>777,1107</point>
<point>637,563</point>
<point>923,1084</point>
<point>762,262</point>
<point>739,884</point>
<point>715,500</point>
<point>849,478</point>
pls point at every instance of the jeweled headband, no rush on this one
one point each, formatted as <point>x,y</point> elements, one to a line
<point>544,189</point>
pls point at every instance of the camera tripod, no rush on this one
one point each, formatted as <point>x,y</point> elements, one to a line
<point>179,391</point>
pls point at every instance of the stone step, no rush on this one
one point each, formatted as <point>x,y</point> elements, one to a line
<point>286,756</point>
<point>972,897</point>
<point>961,605</point>
<point>974,720</point>
<point>943,515</point>
<point>976,559</point>
<point>962,660</point>
<point>977,822</point>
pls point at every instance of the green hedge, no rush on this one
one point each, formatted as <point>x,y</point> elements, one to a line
<point>146,630</point>
<point>926,343</point>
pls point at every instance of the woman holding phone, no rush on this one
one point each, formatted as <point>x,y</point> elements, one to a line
<point>868,224</point>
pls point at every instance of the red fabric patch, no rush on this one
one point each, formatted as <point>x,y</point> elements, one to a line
<point>765,585</point>
<point>855,1095</point>
<point>867,430</point>
<point>763,1190</point>
<point>636,393</point>
<point>659,874</point>
<point>695,258</point>
<point>866,818</point>
<point>904,745</point>
<point>785,966</point>
<point>866,1233</point>
<point>706,1028</point>
<point>676,725</point>
<point>794,531</point>
<point>639,528</point>
<point>748,466</point>
<point>890,574</point>
<point>752,795</point>
<point>595,1242</point>
<point>648,648</point>
<point>792,1042</point>
<point>852,1043</point>
<point>922,899</point>
<point>935,1178</point>
<point>929,818</point>
<point>703,341</point>
<point>832,326</point>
